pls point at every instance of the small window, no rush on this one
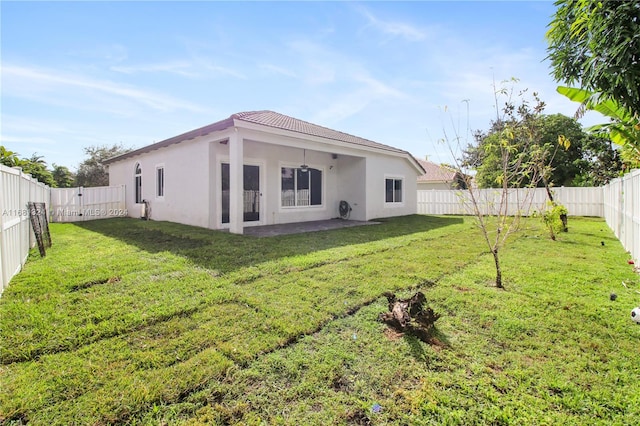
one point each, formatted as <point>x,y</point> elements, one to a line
<point>301,187</point>
<point>393,190</point>
<point>160,182</point>
<point>137,184</point>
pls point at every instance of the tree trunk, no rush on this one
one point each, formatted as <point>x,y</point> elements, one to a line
<point>549,193</point>
<point>565,220</point>
<point>563,217</point>
<point>496,260</point>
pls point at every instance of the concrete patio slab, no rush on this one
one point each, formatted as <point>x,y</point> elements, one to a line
<point>302,227</point>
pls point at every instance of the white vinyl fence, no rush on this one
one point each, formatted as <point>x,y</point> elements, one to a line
<point>80,204</point>
<point>16,237</point>
<point>618,202</point>
<point>525,201</point>
<point>64,205</point>
<point>622,211</point>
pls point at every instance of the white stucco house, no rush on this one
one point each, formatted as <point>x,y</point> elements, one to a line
<point>264,168</point>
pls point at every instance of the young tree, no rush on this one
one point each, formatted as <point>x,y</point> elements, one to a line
<point>91,171</point>
<point>513,136</point>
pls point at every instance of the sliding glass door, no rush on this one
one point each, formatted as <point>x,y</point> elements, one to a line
<point>251,193</point>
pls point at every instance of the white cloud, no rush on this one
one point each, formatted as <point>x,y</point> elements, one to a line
<point>394,28</point>
<point>315,63</point>
<point>340,85</point>
<point>366,91</point>
<point>34,83</point>
<point>377,88</point>
<point>278,70</point>
<point>25,140</point>
<point>199,67</point>
<point>112,53</point>
<point>208,65</point>
<point>181,68</point>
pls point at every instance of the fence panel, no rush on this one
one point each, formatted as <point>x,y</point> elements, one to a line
<point>621,205</point>
<point>581,201</point>
<point>65,205</point>
<point>618,202</point>
<point>525,201</point>
<point>80,204</point>
<point>16,237</point>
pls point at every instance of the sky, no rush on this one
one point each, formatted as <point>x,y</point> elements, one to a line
<point>405,74</point>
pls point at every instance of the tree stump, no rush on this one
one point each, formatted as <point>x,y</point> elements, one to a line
<point>410,315</point>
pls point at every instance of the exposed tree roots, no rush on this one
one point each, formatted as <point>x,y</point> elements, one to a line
<point>410,316</point>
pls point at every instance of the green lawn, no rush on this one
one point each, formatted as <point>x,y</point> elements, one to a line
<point>127,321</point>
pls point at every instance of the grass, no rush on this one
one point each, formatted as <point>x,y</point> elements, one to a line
<point>137,322</point>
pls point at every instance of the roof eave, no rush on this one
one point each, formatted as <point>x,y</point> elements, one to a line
<point>384,149</point>
<point>192,134</point>
<point>236,120</point>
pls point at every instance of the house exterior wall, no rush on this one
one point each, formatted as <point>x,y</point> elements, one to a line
<point>192,179</point>
<point>381,167</point>
<point>186,188</point>
<point>351,184</point>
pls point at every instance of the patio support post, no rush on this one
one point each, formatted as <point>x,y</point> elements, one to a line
<point>236,183</point>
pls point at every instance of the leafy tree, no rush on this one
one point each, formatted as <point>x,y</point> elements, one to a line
<point>624,128</point>
<point>552,142</point>
<point>91,171</point>
<point>8,158</point>
<point>37,167</point>
<point>565,138</point>
<point>63,177</point>
<point>596,45</point>
<point>600,162</point>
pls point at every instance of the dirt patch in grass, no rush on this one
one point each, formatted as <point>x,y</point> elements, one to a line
<point>392,334</point>
<point>341,384</point>
<point>358,418</point>
<point>89,284</point>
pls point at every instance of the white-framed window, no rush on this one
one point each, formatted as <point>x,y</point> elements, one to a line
<point>160,181</point>
<point>137,183</point>
<point>300,187</point>
<point>393,190</point>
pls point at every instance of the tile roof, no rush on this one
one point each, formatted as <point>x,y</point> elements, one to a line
<point>284,122</point>
<point>267,119</point>
<point>436,172</point>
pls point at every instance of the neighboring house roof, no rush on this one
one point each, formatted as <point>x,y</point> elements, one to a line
<point>268,119</point>
<point>436,172</point>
